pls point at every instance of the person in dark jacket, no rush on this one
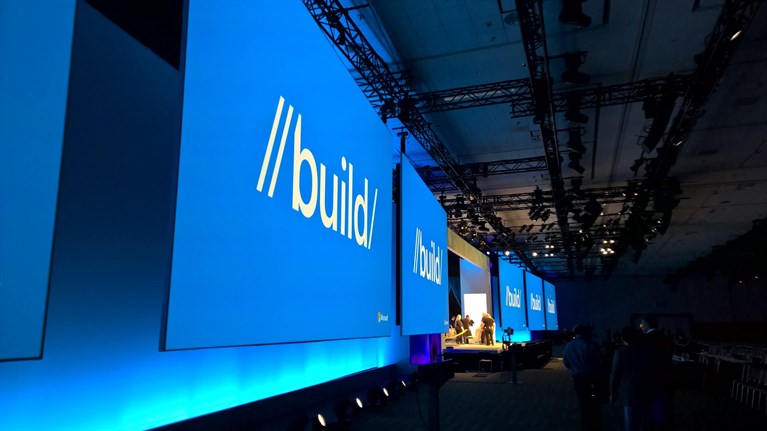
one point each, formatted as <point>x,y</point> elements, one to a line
<point>584,359</point>
<point>629,380</point>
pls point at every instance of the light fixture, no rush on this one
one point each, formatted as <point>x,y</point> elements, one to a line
<point>545,216</point>
<point>574,60</point>
<point>575,143</point>
<point>319,422</point>
<point>572,13</point>
<point>573,113</point>
<point>575,163</point>
<point>506,252</point>
<point>736,35</point>
<point>534,254</point>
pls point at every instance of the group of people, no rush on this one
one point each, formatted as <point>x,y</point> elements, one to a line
<point>486,330</point>
<point>639,376</point>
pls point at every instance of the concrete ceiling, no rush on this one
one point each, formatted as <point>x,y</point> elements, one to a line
<point>447,44</point>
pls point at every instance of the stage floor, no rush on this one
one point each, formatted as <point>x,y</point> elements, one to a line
<point>468,348</point>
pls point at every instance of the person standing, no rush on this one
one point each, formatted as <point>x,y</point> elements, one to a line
<point>629,380</point>
<point>488,329</point>
<point>467,324</point>
<point>583,358</point>
<point>460,331</point>
<point>660,351</point>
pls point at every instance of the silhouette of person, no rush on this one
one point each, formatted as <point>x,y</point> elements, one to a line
<point>459,330</point>
<point>467,324</point>
<point>659,352</point>
<point>629,380</point>
<point>488,329</point>
<point>583,358</point>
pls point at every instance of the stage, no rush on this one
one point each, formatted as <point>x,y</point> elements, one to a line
<point>493,358</point>
<point>496,348</point>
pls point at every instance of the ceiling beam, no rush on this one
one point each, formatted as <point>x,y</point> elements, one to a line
<point>437,181</point>
<point>379,80</point>
<point>534,40</point>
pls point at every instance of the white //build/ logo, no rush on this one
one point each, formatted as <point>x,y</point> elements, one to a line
<point>427,262</point>
<point>535,302</point>
<point>352,210</point>
<point>513,299</point>
<point>551,307</point>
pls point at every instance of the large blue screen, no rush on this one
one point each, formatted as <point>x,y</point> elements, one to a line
<point>423,254</point>
<point>283,214</point>
<point>550,296</point>
<point>34,75</point>
<point>536,321</point>
<point>511,282</point>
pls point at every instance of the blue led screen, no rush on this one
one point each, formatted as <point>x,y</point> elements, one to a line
<point>33,94</point>
<point>283,210</point>
<point>423,254</point>
<point>550,296</point>
<point>102,368</point>
<point>513,300</point>
<point>536,321</point>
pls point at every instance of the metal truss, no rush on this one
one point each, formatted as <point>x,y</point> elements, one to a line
<point>534,40</point>
<point>736,16</point>
<point>514,92</point>
<point>518,94</point>
<point>523,201</point>
<point>391,88</point>
<point>437,181</point>
<point>380,81</point>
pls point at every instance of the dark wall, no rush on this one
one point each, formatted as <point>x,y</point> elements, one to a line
<point>712,303</point>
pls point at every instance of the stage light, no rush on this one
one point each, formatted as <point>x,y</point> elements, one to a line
<point>319,422</point>
<point>522,229</point>
<point>574,60</point>
<point>573,113</point>
<point>572,13</point>
<point>534,254</point>
<point>736,35</point>
<point>591,211</point>
<point>529,228</point>
<point>576,166</point>
<point>506,252</point>
<point>545,216</point>
<point>575,144</point>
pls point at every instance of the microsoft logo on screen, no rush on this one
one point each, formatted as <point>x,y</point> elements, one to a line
<point>353,211</point>
<point>513,299</point>
<point>535,302</point>
<point>427,262</point>
<point>550,306</point>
